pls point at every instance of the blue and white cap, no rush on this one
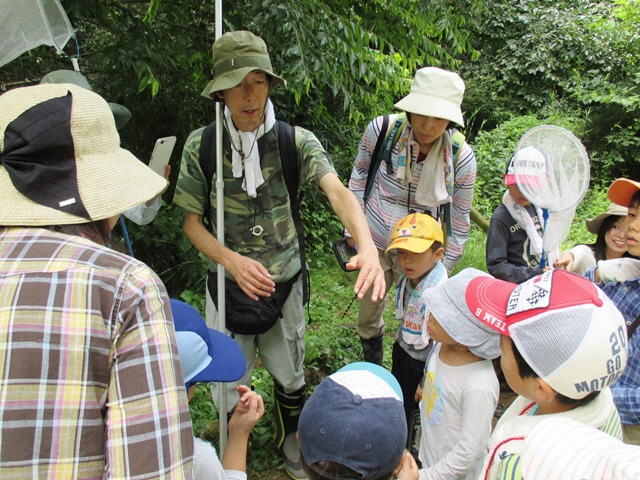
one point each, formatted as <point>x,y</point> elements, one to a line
<point>355,417</point>
<point>206,355</point>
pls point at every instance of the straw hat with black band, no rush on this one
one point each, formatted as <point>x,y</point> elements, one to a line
<point>61,162</point>
<point>235,55</point>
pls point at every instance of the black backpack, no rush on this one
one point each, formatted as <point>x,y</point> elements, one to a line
<point>290,171</point>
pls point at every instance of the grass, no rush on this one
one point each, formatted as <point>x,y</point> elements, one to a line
<point>331,342</point>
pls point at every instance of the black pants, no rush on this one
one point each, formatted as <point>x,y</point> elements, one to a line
<point>408,371</point>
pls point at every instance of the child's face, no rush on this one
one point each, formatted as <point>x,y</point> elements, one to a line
<point>522,386</point>
<point>417,265</point>
<point>632,230</point>
<point>517,195</point>
<point>437,333</point>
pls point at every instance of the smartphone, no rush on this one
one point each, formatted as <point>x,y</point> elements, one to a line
<point>161,154</point>
<point>343,253</point>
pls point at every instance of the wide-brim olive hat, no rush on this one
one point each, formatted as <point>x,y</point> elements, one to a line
<point>235,55</point>
<point>61,162</point>
<point>121,113</point>
<point>593,224</point>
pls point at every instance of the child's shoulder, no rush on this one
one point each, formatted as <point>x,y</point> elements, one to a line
<point>480,377</point>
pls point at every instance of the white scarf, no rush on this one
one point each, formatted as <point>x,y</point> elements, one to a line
<point>522,217</point>
<point>432,187</point>
<point>250,163</point>
<point>437,172</point>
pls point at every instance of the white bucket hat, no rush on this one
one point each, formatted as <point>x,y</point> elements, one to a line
<point>61,161</point>
<point>435,93</point>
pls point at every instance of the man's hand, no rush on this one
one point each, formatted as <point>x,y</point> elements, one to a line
<point>618,270</point>
<point>564,261</point>
<point>249,410</point>
<point>251,276</point>
<point>371,274</point>
<point>346,205</point>
<point>408,469</point>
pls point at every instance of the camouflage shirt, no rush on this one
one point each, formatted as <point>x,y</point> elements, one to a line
<point>277,247</point>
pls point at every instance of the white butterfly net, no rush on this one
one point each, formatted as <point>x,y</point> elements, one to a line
<point>552,171</point>
<point>27,24</point>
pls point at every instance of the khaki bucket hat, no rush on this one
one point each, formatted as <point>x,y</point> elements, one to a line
<point>61,162</point>
<point>121,113</point>
<point>235,55</point>
<point>593,224</point>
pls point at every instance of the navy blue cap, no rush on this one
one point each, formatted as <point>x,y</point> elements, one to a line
<point>355,417</point>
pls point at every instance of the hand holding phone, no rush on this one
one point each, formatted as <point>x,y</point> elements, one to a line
<point>161,154</point>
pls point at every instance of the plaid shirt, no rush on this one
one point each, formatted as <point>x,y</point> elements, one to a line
<point>91,382</point>
<point>626,391</point>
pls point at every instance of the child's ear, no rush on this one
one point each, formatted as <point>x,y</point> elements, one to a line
<point>220,96</point>
<point>545,392</point>
<point>439,254</point>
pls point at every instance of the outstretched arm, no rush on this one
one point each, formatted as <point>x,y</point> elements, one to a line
<point>350,212</point>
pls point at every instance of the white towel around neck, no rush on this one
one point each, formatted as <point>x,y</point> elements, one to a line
<point>248,142</point>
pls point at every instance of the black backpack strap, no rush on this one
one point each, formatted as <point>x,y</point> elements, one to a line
<point>208,164</point>
<point>457,141</point>
<point>375,159</point>
<point>291,172</point>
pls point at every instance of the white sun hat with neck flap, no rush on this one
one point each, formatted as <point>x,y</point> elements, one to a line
<point>435,93</point>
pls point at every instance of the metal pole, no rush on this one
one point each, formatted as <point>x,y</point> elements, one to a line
<point>222,391</point>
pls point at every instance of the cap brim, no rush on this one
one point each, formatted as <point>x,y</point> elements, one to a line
<point>227,364</point>
<point>487,299</point>
<point>510,179</point>
<point>446,302</point>
<point>431,106</point>
<point>622,191</point>
<point>233,78</point>
<point>411,244</point>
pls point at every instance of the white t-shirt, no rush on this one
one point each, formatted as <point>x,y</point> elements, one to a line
<point>456,412</point>
<point>207,466</point>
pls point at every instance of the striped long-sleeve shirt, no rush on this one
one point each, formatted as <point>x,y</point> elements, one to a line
<point>391,200</point>
<point>91,382</point>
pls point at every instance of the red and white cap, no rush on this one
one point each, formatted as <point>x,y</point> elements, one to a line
<point>565,328</point>
<point>527,166</point>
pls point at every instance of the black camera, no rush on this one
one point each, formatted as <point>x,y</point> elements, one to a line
<point>343,253</point>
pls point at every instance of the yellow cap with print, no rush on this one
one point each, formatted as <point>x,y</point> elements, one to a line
<point>416,233</point>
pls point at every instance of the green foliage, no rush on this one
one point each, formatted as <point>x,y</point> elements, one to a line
<point>579,58</point>
<point>163,245</point>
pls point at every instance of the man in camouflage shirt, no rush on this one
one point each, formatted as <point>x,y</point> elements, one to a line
<point>261,246</point>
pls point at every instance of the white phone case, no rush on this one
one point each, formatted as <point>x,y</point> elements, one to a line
<point>161,154</point>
